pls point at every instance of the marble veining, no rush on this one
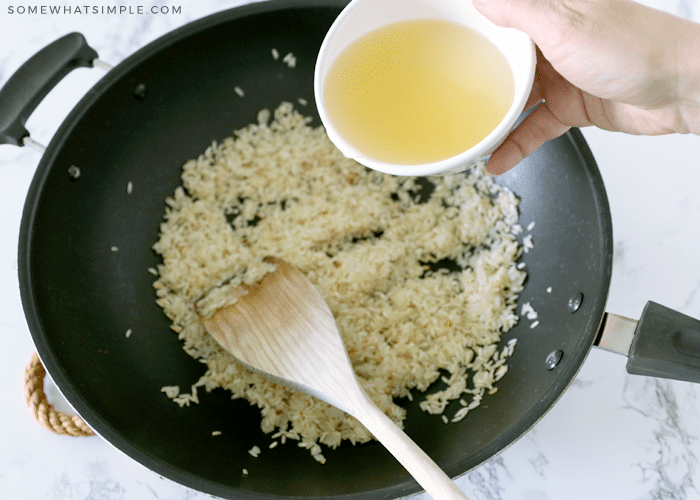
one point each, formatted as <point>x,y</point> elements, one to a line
<point>487,479</point>
<point>611,435</point>
<point>671,443</point>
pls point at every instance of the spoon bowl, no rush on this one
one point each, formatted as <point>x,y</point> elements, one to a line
<point>282,329</point>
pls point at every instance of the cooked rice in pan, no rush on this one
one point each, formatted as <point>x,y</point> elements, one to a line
<point>375,249</point>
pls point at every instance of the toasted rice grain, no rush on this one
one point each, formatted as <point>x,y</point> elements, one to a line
<point>290,59</point>
<point>280,188</point>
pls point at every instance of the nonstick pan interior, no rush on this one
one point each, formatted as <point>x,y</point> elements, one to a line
<point>166,104</point>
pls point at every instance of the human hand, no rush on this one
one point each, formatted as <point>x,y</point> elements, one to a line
<point>615,64</point>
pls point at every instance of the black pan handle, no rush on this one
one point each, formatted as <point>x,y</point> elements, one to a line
<point>666,344</point>
<point>28,86</point>
<point>663,343</point>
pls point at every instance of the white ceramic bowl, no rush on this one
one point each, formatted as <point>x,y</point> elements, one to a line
<point>363,16</point>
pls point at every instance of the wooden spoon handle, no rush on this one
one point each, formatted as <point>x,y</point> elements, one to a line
<point>424,470</point>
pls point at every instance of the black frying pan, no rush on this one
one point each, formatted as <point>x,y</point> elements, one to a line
<point>139,124</point>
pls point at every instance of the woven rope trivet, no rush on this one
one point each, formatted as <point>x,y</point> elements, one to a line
<point>46,415</point>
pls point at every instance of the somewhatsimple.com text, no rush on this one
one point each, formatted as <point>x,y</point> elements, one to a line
<point>82,10</point>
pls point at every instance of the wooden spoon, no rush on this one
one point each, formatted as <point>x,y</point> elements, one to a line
<point>282,329</point>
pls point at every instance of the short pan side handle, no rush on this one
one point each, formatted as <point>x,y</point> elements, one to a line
<point>666,344</point>
<point>28,86</point>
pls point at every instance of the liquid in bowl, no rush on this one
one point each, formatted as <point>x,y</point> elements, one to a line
<point>418,91</point>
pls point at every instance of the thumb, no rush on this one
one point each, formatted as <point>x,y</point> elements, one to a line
<point>519,14</point>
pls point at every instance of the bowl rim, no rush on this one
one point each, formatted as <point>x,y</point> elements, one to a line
<point>462,161</point>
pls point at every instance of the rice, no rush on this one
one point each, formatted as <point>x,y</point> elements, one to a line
<point>172,391</point>
<point>528,311</point>
<point>290,59</point>
<point>374,248</point>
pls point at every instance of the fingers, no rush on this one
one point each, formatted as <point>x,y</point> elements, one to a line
<point>537,128</point>
<point>535,96</point>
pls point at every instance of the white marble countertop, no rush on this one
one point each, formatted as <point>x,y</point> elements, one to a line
<point>611,436</point>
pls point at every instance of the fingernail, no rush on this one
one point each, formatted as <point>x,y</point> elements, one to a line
<point>487,171</point>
